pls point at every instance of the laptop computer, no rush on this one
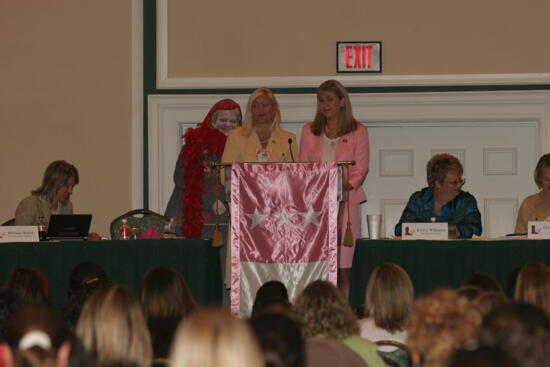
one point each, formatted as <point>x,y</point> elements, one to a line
<point>69,227</point>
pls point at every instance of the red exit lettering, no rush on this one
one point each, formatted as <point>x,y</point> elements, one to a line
<point>360,55</point>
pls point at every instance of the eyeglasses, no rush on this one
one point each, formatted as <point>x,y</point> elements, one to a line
<point>459,182</point>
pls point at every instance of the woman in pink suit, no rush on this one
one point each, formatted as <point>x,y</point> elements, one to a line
<point>335,135</point>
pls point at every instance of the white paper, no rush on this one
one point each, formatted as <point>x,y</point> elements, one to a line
<point>425,231</point>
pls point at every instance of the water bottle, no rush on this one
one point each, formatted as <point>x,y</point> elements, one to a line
<point>42,229</point>
<point>124,232</point>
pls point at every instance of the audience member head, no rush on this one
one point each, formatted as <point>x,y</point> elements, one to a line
<point>441,165</point>
<point>486,302</point>
<point>58,175</point>
<point>389,297</point>
<point>334,89</point>
<point>533,286</point>
<point>439,324</point>
<point>322,310</point>
<point>30,284</point>
<point>37,337</point>
<point>280,339</point>
<point>542,168</point>
<point>269,290</point>
<point>85,279</point>
<point>273,305</point>
<point>9,304</point>
<point>166,300</point>
<point>482,357</point>
<point>469,292</point>
<point>262,108</point>
<point>522,330</point>
<point>113,329</point>
<point>212,337</point>
<point>484,281</point>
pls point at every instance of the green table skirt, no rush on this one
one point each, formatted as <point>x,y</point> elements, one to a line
<point>434,264</point>
<point>125,262</point>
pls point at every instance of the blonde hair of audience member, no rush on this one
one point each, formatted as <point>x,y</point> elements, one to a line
<point>248,123</point>
<point>439,324</point>
<point>533,286</point>
<point>389,297</point>
<point>212,337</point>
<point>347,122</point>
<point>113,329</point>
<point>37,337</point>
<point>322,310</point>
<point>440,165</point>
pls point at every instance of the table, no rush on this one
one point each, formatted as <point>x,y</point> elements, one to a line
<point>125,262</point>
<point>434,264</point>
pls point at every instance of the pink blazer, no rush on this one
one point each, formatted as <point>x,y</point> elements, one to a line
<point>353,146</point>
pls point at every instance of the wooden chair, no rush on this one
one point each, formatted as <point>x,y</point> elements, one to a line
<point>140,218</point>
<point>400,357</point>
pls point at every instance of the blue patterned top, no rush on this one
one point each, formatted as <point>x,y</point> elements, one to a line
<point>462,211</point>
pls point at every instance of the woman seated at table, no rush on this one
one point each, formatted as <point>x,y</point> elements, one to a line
<point>537,206</point>
<point>260,139</point>
<point>444,199</point>
<point>52,197</point>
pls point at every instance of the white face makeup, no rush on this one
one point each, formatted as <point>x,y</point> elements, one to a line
<point>226,121</point>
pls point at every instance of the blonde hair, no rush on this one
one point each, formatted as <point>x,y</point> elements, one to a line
<point>389,297</point>
<point>439,324</point>
<point>322,310</point>
<point>533,286</point>
<point>248,123</point>
<point>113,330</point>
<point>347,123</point>
<point>212,337</point>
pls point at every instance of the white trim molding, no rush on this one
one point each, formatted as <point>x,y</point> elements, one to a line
<point>164,81</point>
<point>137,104</point>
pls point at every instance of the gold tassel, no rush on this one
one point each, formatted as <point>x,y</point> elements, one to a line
<point>348,236</point>
<point>217,239</point>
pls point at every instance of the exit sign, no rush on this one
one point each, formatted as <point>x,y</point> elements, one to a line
<point>359,57</point>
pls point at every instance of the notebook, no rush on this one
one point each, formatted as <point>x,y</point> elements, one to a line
<point>69,227</point>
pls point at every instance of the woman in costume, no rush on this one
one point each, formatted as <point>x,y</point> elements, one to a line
<point>197,187</point>
<point>335,135</point>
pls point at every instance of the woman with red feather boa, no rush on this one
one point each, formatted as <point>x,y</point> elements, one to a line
<point>198,197</point>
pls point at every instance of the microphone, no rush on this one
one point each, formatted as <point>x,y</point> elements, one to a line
<point>290,148</point>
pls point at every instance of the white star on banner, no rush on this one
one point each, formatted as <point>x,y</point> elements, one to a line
<point>257,218</point>
<point>311,216</point>
<point>284,218</point>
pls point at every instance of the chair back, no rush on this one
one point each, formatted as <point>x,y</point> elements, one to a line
<point>398,358</point>
<point>142,219</point>
<point>9,222</point>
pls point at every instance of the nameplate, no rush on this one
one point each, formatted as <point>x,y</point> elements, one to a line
<point>18,234</point>
<point>424,231</point>
<point>538,230</point>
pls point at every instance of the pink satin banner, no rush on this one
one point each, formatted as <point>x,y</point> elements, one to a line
<point>283,227</point>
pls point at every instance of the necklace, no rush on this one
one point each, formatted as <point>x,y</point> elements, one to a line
<point>331,134</point>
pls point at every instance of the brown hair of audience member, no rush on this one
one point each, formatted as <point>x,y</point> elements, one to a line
<point>166,300</point>
<point>30,284</point>
<point>483,281</point>
<point>113,329</point>
<point>389,297</point>
<point>212,337</point>
<point>322,310</point>
<point>347,122</point>
<point>544,162</point>
<point>37,337</point>
<point>521,329</point>
<point>485,302</point>
<point>56,176</point>
<point>440,165</point>
<point>439,324</point>
<point>533,286</point>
